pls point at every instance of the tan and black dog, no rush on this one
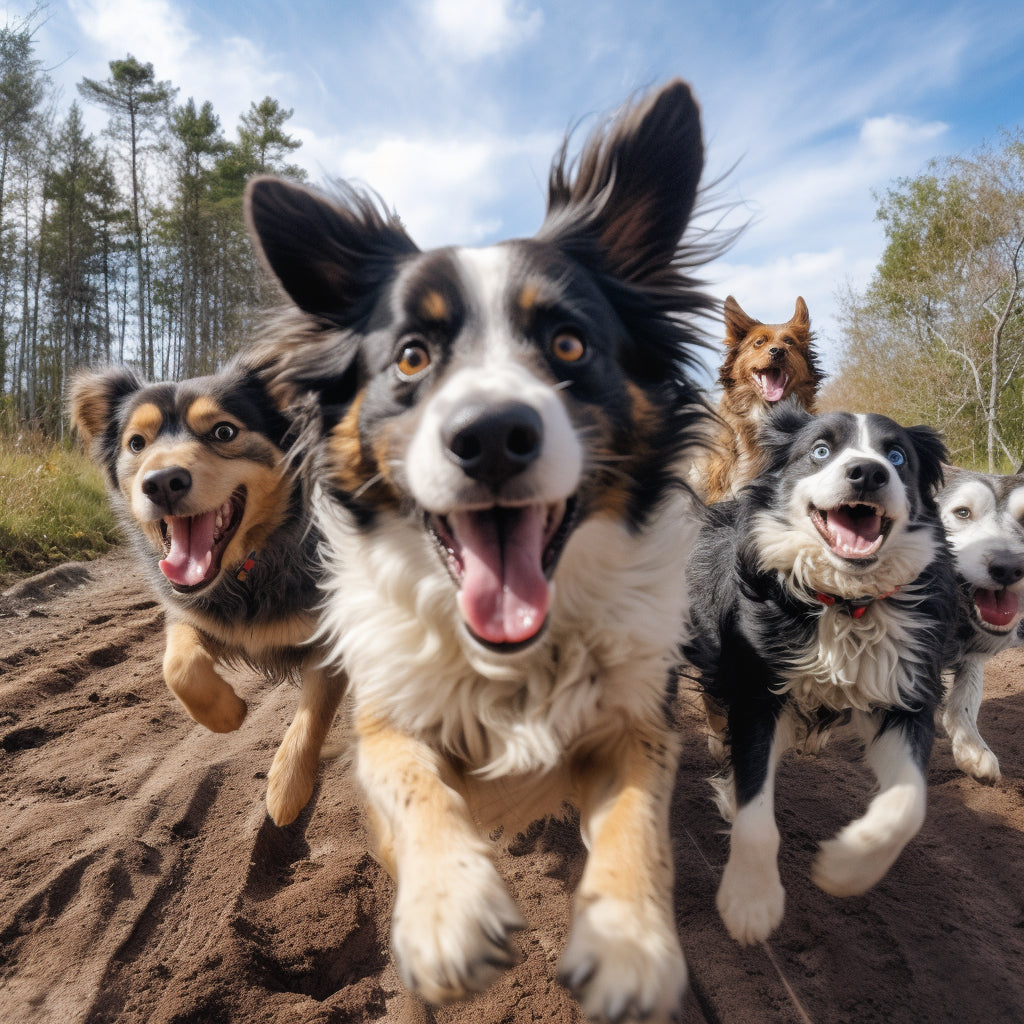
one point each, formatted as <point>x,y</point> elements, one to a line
<point>764,364</point>
<point>196,472</point>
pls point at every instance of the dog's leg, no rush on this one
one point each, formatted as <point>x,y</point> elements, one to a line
<point>190,675</point>
<point>453,922</point>
<point>898,747</point>
<point>751,898</point>
<point>291,776</point>
<point>623,957</point>
<point>960,720</point>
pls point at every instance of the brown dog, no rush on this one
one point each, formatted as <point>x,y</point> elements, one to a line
<point>764,364</point>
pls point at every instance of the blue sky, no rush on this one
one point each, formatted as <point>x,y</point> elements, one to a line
<point>451,109</point>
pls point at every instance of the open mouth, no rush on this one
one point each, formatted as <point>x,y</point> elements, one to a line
<point>771,383</point>
<point>501,559</point>
<point>194,545</point>
<point>996,610</point>
<point>854,532</point>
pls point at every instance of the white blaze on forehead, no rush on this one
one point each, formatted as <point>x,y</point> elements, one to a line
<point>496,368</point>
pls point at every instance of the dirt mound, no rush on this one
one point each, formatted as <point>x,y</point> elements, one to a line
<point>140,879</point>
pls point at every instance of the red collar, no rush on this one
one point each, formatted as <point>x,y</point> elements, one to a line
<point>856,606</point>
<point>247,567</point>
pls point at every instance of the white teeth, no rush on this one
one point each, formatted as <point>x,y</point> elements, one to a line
<point>219,521</point>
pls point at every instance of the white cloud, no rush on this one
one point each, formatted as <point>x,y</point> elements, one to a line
<point>894,134</point>
<point>474,29</point>
<point>446,190</point>
<point>230,71</point>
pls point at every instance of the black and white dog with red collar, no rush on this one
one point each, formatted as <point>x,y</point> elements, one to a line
<point>826,591</point>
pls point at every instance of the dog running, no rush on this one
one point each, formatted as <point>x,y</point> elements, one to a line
<point>984,519</point>
<point>764,364</point>
<point>824,592</point>
<point>196,474</point>
<point>497,439</point>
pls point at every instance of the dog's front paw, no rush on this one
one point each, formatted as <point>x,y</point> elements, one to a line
<point>750,902</point>
<point>862,853</point>
<point>290,784</point>
<point>453,928</point>
<point>621,964</point>
<point>225,713</point>
<point>977,760</point>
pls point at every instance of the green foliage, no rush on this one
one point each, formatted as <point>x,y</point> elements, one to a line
<point>938,334</point>
<point>52,506</point>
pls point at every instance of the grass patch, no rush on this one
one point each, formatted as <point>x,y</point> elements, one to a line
<point>53,507</point>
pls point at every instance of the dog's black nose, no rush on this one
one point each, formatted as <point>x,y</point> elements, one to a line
<point>492,443</point>
<point>166,487</point>
<point>867,475</point>
<point>1006,570</point>
<point>776,352</point>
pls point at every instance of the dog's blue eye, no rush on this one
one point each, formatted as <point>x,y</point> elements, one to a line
<point>821,451</point>
<point>962,513</point>
<point>896,456</point>
<point>224,432</point>
<point>136,443</point>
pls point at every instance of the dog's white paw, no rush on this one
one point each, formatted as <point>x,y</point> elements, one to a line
<point>621,964</point>
<point>750,902</point>
<point>453,928</point>
<point>976,759</point>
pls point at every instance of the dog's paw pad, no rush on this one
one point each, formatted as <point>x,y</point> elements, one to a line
<point>621,962</point>
<point>454,934</point>
<point>750,907</point>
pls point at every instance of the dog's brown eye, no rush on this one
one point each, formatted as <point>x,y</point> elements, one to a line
<point>224,432</point>
<point>568,347</point>
<point>962,513</point>
<point>136,443</point>
<point>413,360</point>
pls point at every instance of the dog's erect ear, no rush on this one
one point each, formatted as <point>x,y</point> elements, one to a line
<point>93,398</point>
<point>801,316</point>
<point>630,194</point>
<point>931,455</point>
<point>330,257</point>
<point>737,324</point>
<point>778,428</point>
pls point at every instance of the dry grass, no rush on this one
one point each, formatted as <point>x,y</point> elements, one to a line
<point>52,506</point>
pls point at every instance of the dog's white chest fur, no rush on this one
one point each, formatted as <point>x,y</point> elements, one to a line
<point>857,663</point>
<point>392,619</point>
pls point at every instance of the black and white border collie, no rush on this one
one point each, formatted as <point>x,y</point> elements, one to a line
<point>984,520</point>
<point>497,439</point>
<point>824,591</point>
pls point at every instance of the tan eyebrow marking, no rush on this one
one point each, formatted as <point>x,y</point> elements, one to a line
<point>145,420</point>
<point>204,412</point>
<point>434,307</point>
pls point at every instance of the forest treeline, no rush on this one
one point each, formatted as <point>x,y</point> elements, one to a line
<point>129,247</point>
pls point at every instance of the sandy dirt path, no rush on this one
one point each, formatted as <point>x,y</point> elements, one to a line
<point>141,881</point>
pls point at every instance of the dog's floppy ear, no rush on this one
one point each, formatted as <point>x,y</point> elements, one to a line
<point>94,396</point>
<point>737,323</point>
<point>629,196</point>
<point>330,257</point>
<point>781,423</point>
<point>931,455</point>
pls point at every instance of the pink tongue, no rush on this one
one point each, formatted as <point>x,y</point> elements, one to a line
<point>773,385</point>
<point>188,561</point>
<point>853,535</point>
<point>504,593</point>
<point>996,607</point>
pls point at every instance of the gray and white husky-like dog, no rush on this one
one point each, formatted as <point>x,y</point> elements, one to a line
<point>984,520</point>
